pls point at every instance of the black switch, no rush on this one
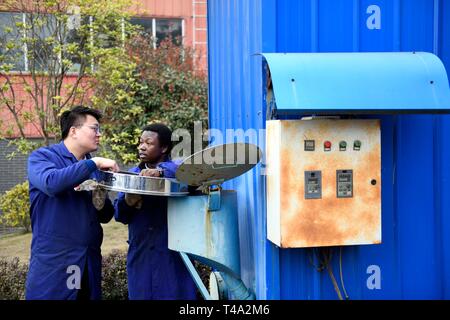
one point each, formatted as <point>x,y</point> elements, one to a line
<point>309,145</point>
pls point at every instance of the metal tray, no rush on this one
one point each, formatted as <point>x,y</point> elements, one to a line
<point>130,182</point>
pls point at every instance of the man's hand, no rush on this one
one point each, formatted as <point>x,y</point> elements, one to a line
<point>151,173</point>
<point>106,164</point>
<point>98,198</point>
<point>87,185</point>
<point>133,200</point>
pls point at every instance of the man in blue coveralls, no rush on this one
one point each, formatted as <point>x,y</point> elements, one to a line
<point>154,271</point>
<point>65,260</point>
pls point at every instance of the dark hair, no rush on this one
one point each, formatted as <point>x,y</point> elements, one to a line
<point>164,135</point>
<point>76,117</point>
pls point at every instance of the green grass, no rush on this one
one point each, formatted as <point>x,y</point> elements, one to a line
<point>18,245</point>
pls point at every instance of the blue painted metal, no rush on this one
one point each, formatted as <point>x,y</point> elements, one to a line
<point>233,105</point>
<point>306,83</point>
<point>213,235</point>
<point>194,274</point>
<point>414,258</point>
<point>214,200</point>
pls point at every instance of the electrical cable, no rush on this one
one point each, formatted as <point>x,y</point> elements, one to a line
<point>340,274</point>
<point>324,256</point>
<point>327,254</point>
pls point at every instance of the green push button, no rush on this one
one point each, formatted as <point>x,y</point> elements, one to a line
<point>357,145</point>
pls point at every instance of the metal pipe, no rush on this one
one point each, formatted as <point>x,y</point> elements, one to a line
<point>237,288</point>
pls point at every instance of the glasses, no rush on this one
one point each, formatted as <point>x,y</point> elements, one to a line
<point>93,127</point>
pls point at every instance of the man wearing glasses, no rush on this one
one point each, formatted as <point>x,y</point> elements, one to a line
<point>65,260</point>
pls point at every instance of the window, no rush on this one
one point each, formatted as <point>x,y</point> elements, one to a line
<point>145,23</point>
<point>11,48</point>
<point>168,28</point>
<point>48,31</point>
<point>160,29</point>
<point>43,32</point>
<point>74,38</point>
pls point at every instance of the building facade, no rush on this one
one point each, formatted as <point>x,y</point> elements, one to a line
<point>185,19</point>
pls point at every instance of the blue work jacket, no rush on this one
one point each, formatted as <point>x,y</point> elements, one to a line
<point>67,234</point>
<point>154,271</point>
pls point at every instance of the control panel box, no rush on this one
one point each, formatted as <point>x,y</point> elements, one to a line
<point>323,182</point>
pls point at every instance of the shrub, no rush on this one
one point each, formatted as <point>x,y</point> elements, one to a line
<point>13,275</point>
<point>15,204</point>
<point>203,271</point>
<point>114,276</point>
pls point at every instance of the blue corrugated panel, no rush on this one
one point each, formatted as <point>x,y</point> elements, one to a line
<point>414,258</point>
<point>234,76</point>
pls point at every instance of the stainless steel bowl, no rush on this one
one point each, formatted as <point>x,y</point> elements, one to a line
<point>133,183</point>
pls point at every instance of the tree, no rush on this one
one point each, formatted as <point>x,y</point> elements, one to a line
<point>49,52</point>
<point>159,85</point>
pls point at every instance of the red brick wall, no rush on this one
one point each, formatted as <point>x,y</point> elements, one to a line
<point>24,103</point>
<point>200,32</point>
<point>193,12</point>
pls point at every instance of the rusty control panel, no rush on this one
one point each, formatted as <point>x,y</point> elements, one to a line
<point>323,182</point>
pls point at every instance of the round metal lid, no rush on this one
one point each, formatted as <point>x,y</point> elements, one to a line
<point>130,182</point>
<point>216,164</point>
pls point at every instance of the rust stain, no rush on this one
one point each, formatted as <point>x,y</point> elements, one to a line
<point>272,175</point>
<point>208,234</point>
<point>288,182</point>
<point>330,220</point>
